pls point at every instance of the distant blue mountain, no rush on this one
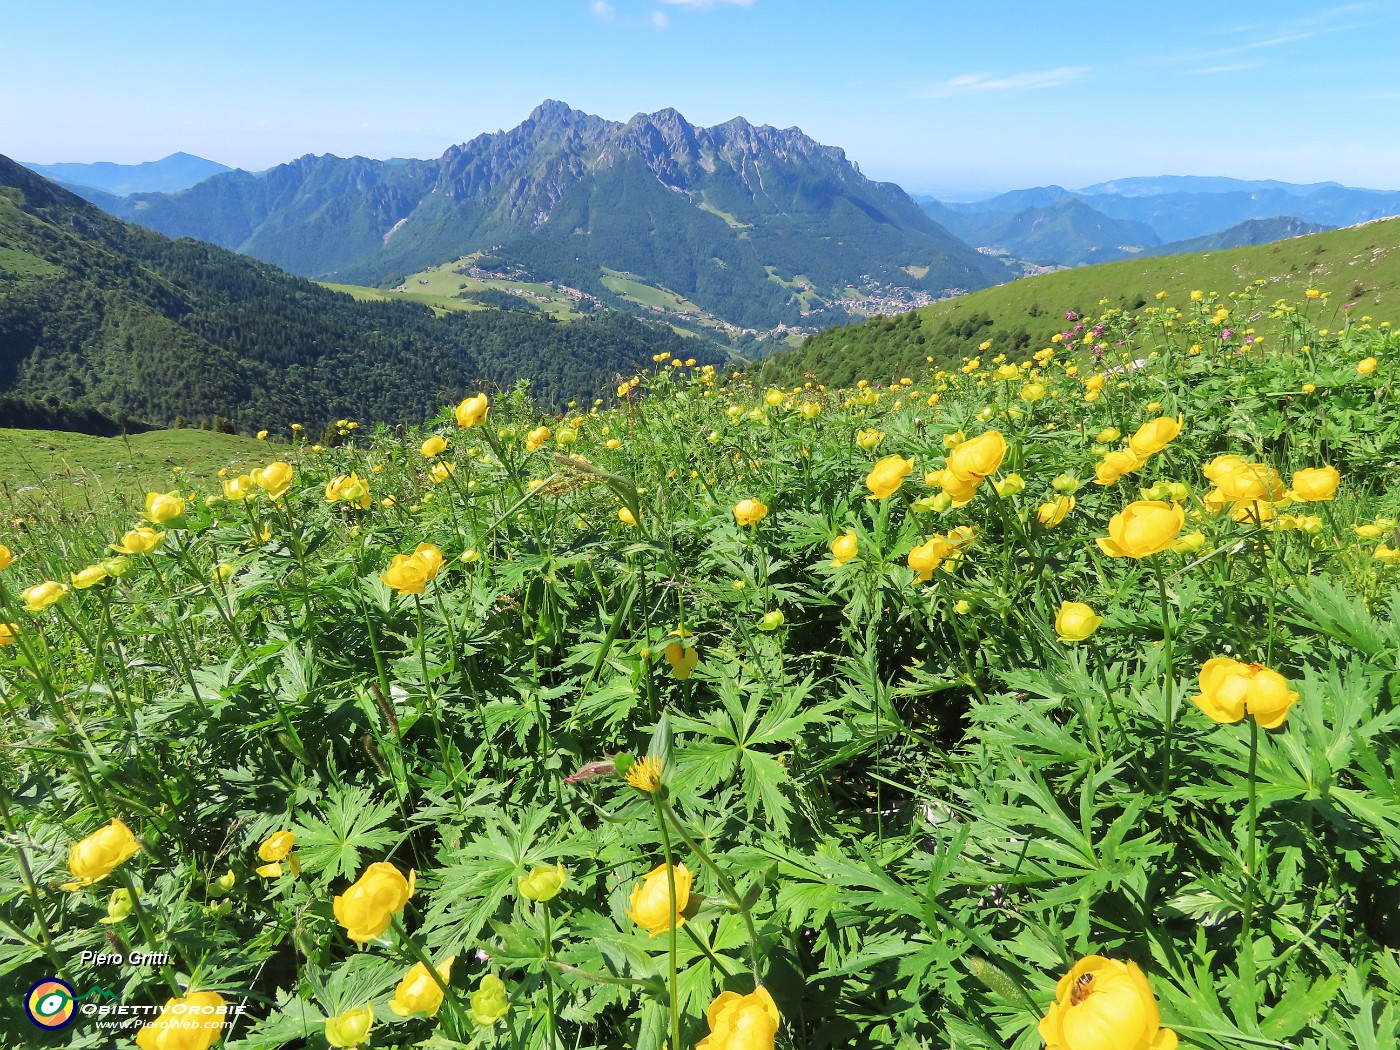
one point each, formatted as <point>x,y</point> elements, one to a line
<point>1152,185</point>
<point>1155,214</point>
<point>178,171</point>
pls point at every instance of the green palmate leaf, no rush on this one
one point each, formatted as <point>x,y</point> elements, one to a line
<point>351,823</point>
<point>1300,1005</point>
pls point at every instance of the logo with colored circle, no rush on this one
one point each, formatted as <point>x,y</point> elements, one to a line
<point>49,1003</point>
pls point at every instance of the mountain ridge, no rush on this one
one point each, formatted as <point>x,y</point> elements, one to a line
<point>762,225</point>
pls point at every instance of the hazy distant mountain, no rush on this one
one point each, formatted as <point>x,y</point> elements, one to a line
<point>1179,216</point>
<point>1153,185</point>
<point>175,172</point>
<point>1066,232</point>
<point>1158,214</point>
<point>754,224</point>
<point>1242,235</point>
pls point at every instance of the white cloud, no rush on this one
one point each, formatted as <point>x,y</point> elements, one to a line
<point>603,9</point>
<point>1235,68</point>
<point>707,5</point>
<point>659,19</point>
<point>967,83</point>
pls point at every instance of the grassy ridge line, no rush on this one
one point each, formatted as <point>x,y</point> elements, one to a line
<point>41,469</point>
<point>1359,264</point>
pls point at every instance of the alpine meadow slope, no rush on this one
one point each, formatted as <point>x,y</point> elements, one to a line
<point>1357,269</point>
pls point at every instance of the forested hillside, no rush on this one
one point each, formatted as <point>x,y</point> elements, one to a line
<point>99,315</point>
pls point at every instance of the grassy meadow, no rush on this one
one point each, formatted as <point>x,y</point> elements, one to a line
<point>1044,698</point>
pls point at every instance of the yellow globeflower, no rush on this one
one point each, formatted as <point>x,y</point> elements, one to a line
<point>844,548</point>
<point>1155,435</point>
<point>1386,555</point>
<point>9,632</point>
<point>1190,543</point>
<point>979,457</point>
<point>1142,528</point>
<point>472,411</point>
<point>349,1028</point>
<point>1052,513</point>
<point>489,1003</point>
<point>928,555</point>
<point>1114,465</point>
<point>1076,621</point>
<point>543,883</point>
<point>1108,435</point>
<point>626,516</point>
<point>1103,1004</point>
<point>405,575</point>
<point>42,595</point>
<point>1367,365</point>
<point>868,439</point>
<point>274,479</point>
<point>1316,484</point>
<point>139,541</point>
<point>366,908</point>
<point>887,475</point>
<point>97,856</point>
<point>349,488</point>
<point>537,437</point>
<point>749,512</point>
<point>419,992</point>
<point>1010,485</point>
<point>434,446</point>
<point>959,490</point>
<point>6,556</point>
<point>164,506</point>
<point>238,489</point>
<point>683,661</point>
<point>650,905</point>
<point>1238,481</point>
<point>191,1022</point>
<point>440,472</point>
<point>742,1022</point>
<point>89,577</point>
<point>1230,690</point>
<point>277,845</point>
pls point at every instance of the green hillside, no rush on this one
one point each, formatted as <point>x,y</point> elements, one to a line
<point>1359,265</point>
<point>43,468</point>
<point>97,315</point>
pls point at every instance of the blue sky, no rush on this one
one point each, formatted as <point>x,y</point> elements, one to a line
<point>941,97</point>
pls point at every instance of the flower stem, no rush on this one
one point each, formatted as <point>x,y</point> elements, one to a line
<point>673,986</point>
<point>1251,844</point>
<point>1168,682</point>
<point>729,889</point>
<point>553,1009</point>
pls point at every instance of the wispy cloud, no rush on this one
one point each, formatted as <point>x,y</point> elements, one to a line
<point>660,20</point>
<point>706,5</point>
<point>603,9</point>
<point>968,83</point>
<point>1236,67</point>
<point>1344,18</point>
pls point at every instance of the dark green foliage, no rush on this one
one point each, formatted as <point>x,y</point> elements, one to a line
<point>131,324</point>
